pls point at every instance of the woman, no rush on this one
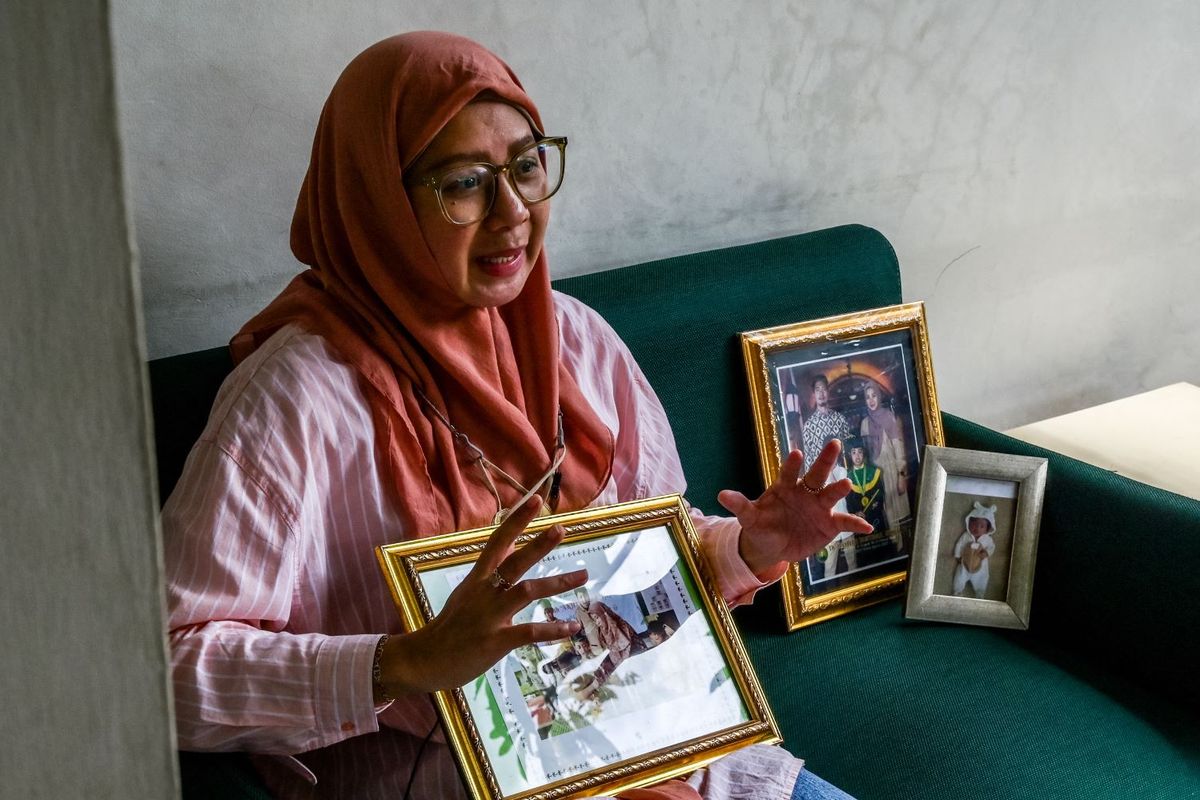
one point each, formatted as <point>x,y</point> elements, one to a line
<point>605,630</point>
<point>419,378</point>
<point>881,430</point>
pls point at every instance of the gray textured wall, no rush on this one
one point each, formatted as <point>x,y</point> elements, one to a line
<point>83,665</point>
<point>1033,161</point>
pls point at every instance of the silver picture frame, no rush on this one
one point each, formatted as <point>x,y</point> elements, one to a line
<point>994,586</point>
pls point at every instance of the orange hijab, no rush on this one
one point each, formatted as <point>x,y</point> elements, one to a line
<point>375,293</point>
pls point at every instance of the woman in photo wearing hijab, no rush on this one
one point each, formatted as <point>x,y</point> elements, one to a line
<point>880,429</point>
<point>420,377</point>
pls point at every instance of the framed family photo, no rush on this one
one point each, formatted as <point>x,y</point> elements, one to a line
<point>976,538</point>
<point>656,682</point>
<point>865,379</point>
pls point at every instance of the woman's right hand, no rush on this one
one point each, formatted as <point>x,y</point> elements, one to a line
<point>475,629</point>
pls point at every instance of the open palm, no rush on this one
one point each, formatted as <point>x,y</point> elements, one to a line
<point>793,518</point>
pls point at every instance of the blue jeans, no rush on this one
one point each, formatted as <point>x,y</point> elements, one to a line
<point>810,787</point>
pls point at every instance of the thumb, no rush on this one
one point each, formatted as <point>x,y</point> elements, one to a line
<point>734,501</point>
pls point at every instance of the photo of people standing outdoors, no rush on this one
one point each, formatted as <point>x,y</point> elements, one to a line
<point>580,670</point>
<point>645,670</point>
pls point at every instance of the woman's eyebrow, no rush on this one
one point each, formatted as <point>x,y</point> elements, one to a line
<point>477,156</point>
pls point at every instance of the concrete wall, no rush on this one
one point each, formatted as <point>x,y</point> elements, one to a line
<point>1033,161</point>
<point>83,673</point>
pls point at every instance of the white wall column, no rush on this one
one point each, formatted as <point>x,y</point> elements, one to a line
<point>86,710</point>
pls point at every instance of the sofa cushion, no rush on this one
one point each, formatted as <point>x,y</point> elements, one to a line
<point>887,708</point>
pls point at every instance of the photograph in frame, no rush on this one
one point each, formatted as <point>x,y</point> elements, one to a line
<point>655,683</point>
<point>974,550</point>
<point>865,379</point>
<point>975,545</point>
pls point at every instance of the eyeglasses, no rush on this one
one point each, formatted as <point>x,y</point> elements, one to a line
<point>466,194</point>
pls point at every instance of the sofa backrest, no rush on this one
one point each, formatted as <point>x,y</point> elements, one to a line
<point>680,317</point>
<point>182,390</point>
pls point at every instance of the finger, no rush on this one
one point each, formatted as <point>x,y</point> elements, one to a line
<point>849,522</point>
<point>733,501</point>
<point>533,589</point>
<point>819,472</point>
<point>516,565</point>
<point>836,491</point>
<point>791,469</point>
<point>500,543</point>
<point>533,632</point>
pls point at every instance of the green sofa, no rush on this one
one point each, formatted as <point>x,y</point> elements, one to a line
<point>1100,698</point>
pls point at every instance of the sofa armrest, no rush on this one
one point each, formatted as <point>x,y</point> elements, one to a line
<point>1118,568</point>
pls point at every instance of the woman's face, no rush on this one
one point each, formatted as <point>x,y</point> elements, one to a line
<point>872,398</point>
<point>485,263</point>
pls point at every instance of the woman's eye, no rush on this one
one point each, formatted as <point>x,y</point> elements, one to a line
<point>462,184</point>
<point>527,166</point>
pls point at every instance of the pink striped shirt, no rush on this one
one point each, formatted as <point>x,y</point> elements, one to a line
<point>276,601</point>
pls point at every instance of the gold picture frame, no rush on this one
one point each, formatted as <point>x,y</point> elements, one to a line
<point>587,717</point>
<point>879,356</point>
<point>1002,494</point>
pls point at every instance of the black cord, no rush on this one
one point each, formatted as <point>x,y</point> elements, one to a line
<point>417,760</point>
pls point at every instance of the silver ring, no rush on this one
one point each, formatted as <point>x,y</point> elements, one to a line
<point>499,581</point>
<point>808,488</point>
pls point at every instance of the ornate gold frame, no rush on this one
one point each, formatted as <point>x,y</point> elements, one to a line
<point>1029,473</point>
<point>801,610</point>
<point>402,564</point>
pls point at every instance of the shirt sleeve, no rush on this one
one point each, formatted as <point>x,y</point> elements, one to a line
<point>241,682</point>
<point>811,442</point>
<point>719,537</point>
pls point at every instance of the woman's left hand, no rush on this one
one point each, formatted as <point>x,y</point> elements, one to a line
<point>789,522</point>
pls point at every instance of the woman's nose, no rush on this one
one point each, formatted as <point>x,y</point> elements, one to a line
<point>508,209</point>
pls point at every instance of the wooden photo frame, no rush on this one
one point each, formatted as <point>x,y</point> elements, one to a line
<point>865,378</point>
<point>976,538</point>
<point>670,690</point>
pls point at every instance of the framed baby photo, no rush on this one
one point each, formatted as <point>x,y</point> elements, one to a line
<point>655,684</point>
<point>976,538</point>
<point>866,379</point>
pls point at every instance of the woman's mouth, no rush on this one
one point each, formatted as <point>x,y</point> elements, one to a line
<point>502,264</point>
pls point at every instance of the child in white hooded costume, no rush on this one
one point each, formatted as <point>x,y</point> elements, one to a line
<point>974,549</point>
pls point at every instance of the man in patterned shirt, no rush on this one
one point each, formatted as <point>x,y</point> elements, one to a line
<point>824,424</point>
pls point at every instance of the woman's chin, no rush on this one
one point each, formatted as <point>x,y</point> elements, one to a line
<point>488,291</point>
